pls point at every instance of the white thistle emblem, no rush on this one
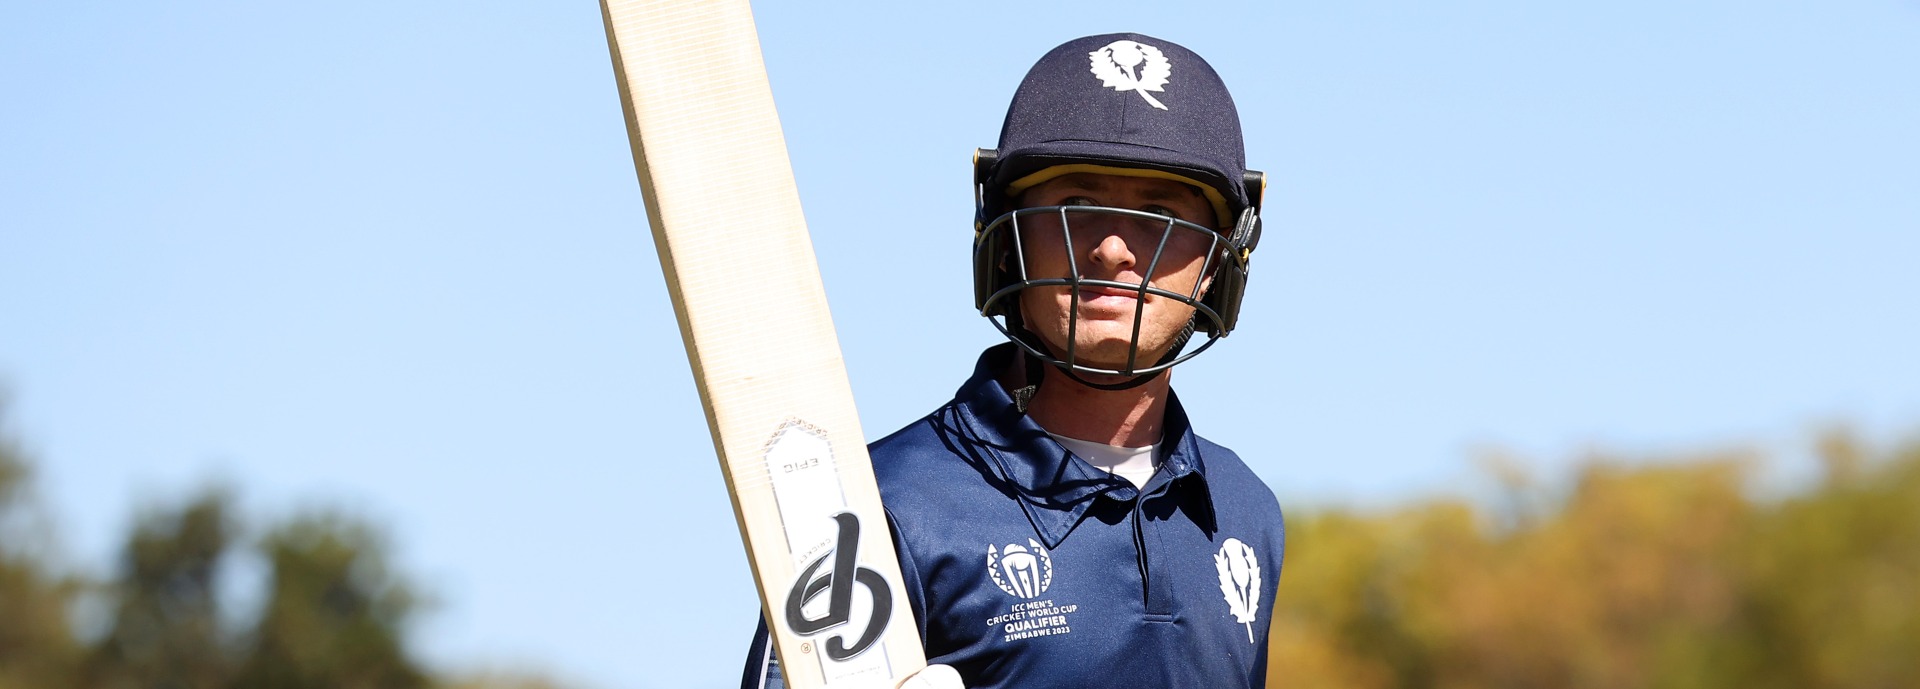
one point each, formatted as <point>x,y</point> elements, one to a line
<point>1239,581</point>
<point>1025,572</point>
<point>1115,64</point>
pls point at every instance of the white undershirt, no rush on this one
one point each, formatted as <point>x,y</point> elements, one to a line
<point>1135,464</point>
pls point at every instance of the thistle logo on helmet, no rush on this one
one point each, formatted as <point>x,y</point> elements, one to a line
<point>1023,571</point>
<point>838,583</point>
<point>1114,63</point>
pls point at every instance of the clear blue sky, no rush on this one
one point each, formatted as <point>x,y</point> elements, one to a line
<point>392,256</point>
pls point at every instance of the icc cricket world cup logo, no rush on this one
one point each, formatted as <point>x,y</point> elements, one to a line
<point>1021,571</point>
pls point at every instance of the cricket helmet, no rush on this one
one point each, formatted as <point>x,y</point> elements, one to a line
<point>1128,105</point>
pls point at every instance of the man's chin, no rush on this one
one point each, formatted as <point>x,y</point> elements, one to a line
<point>1111,358</point>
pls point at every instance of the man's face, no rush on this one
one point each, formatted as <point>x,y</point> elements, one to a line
<point>1116,248</point>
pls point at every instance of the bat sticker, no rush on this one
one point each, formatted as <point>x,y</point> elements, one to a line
<point>838,583</point>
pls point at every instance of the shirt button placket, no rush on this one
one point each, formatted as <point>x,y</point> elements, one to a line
<point>1157,585</point>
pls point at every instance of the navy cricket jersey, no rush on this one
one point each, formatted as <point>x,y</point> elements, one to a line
<point>1028,567</point>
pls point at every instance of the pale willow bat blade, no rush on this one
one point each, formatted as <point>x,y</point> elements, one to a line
<point>726,218</point>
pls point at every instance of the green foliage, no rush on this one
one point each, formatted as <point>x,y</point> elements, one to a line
<point>500,681</point>
<point>1836,576</point>
<point>1665,575</point>
<point>1661,575</point>
<point>166,631</point>
<point>37,650</point>
<point>334,614</point>
<point>333,618</point>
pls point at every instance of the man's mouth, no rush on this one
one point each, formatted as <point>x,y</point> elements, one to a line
<point>1108,295</point>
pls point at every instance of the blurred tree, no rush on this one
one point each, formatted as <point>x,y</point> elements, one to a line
<point>1331,601</point>
<point>1590,596</point>
<point>498,680</point>
<point>334,616</point>
<point>166,631</point>
<point>1835,590</point>
<point>1641,575</point>
<point>1662,575</point>
<point>37,649</point>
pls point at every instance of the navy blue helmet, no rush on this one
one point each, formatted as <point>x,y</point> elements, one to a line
<point>1127,105</point>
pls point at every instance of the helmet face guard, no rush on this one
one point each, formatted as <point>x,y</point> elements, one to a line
<point>1006,269</point>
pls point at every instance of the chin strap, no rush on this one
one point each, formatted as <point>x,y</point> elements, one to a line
<point>1031,366</point>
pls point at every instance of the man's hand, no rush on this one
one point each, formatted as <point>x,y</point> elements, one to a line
<point>934,677</point>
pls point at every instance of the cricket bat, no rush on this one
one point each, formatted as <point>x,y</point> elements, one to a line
<point>740,268</point>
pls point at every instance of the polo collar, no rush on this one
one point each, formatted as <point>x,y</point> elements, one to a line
<point>1053,489</point>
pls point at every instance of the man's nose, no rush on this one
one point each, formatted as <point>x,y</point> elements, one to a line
<point>1111,251</point>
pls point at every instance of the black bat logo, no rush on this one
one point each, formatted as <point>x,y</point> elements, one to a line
<point>838,583</point>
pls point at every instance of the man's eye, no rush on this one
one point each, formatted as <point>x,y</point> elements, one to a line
<point>1079,201</point>
<point>1162,210</point>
